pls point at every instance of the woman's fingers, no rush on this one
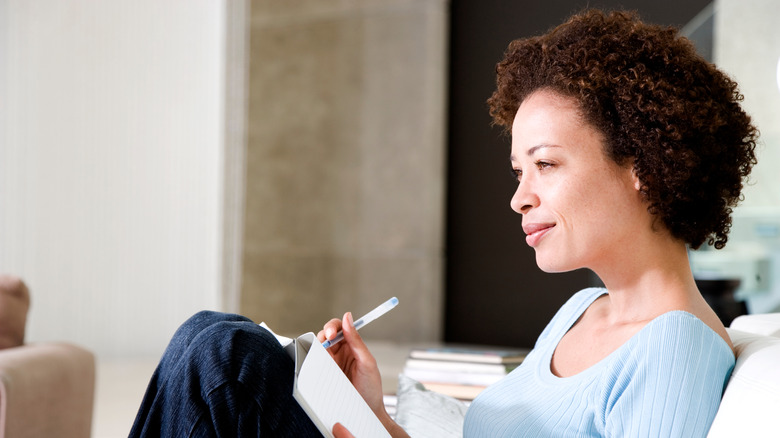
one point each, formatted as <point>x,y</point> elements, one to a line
<point>339,431</point>
<point>329,330</point>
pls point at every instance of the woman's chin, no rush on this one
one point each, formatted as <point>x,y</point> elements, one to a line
<point>552,266</point>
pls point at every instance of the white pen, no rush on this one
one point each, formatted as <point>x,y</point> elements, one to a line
<point>370,316</point>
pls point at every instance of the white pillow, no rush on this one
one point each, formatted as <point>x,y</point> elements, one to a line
<point>427,414</point>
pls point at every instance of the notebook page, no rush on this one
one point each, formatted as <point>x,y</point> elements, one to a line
<point>331,397</point>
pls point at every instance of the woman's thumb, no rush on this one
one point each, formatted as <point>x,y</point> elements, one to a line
<point>352,336</point>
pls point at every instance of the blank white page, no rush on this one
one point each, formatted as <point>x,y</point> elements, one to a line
<point>328,394</point>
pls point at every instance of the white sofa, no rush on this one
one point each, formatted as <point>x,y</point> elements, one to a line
<point>752,396</point>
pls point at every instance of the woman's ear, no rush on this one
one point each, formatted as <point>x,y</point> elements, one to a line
<point>635,179</point>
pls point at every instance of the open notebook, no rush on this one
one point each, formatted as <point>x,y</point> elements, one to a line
<point>324,392</point>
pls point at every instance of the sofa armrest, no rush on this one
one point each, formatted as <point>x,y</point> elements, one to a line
<point>46,389</point>
<point>752,397</point>
<point>14,305</point>
<point>767,324</point>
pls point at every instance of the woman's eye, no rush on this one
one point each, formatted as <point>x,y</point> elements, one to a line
<point>543,164</point>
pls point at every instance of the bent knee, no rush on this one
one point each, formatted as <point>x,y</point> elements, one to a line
<point>201,321</point>
<point>238,338</point>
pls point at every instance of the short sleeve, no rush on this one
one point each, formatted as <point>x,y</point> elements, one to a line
<point>670,382</point>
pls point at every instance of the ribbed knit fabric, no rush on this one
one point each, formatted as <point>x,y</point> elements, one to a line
<point>666,381</point>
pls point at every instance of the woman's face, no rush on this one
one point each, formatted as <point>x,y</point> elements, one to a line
<point>580,208</point>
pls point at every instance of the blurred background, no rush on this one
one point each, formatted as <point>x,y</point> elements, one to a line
<point>292,160</point>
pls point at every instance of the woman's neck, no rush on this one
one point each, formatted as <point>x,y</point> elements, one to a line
<point>653,279</point>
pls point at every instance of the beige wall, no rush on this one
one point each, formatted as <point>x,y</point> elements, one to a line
<point>345,164</point>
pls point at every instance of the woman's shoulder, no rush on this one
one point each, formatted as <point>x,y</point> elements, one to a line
<point>683,335</point>
<point>675,367</point>
<point>674,350</point>
<point>695,315</point>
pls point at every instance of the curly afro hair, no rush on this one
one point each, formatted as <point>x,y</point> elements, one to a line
<point>660,106</point>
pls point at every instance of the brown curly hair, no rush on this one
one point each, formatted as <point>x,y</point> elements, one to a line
<point>658,103</point>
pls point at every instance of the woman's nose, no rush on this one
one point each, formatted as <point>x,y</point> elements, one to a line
<point>524,198</point>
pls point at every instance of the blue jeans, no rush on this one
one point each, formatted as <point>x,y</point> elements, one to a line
<point>222,376</point>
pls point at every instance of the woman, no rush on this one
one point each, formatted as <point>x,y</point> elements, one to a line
<point>627,148</point>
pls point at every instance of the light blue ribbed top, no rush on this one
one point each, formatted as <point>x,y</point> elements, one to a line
<point>666,381</point>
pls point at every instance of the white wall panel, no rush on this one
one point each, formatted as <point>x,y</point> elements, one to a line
<point>111,140</point>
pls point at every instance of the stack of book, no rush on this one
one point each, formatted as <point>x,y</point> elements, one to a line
<point>461,372</point>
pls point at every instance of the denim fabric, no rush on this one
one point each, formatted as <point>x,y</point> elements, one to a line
<point>222,376</point>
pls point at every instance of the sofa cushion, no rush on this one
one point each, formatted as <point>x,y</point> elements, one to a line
<point>752,397</point>
<point>424,413</point>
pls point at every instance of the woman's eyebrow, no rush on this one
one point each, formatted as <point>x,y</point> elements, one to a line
<point>533,150</point>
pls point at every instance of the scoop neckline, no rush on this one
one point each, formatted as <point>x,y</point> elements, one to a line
<point>546,370</point>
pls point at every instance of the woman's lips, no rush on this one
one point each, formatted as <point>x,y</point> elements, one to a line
<point>535,233</point>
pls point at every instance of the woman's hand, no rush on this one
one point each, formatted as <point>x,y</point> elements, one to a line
<point>359,365</point>
<point>356,361</point>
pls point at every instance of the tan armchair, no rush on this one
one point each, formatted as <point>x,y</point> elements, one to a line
<point>46,389</point>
